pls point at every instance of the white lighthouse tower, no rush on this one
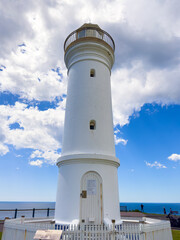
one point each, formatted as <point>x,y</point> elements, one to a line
<point>88,183</point>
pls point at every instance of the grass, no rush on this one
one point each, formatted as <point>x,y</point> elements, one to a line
<point>176,234</point>
<point>0,235</point>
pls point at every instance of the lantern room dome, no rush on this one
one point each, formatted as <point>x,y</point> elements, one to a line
<point>89,32</point>
<point>87,25</point>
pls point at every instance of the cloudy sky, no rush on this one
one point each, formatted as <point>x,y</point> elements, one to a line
<point>145,84</point>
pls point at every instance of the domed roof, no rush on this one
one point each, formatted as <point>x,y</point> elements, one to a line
<point>89,25</point>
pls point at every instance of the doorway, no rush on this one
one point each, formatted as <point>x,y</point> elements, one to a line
<point>91,198</point>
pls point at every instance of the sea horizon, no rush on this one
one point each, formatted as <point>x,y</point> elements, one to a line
<point>55,202</point>
<point>149,207</point>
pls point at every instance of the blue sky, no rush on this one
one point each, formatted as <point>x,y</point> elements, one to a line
<point>152,136</point>
<point>145,94</point>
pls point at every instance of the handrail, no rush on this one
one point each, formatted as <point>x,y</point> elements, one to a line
<point>33,210</point>
<point>28,209</point>
<point>98,33</point>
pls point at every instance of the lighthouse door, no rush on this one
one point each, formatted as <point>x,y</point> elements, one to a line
<point>91,202</point>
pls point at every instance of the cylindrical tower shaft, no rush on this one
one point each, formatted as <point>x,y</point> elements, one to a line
<point>88,103</point>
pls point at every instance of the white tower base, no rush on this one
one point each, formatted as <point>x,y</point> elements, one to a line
<point>86,193</point>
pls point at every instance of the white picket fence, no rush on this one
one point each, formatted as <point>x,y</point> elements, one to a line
<point>151,229</point>
<point>102,232</point>
<point>160,230</point>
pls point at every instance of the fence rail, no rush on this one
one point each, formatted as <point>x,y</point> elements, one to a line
<point>30,212</point>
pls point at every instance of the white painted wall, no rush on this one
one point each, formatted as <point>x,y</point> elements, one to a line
<point>88,98</point>
<point>68,197</point>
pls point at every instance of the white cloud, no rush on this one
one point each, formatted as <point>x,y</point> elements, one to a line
<point>40,130</point>
<point>132,88</point>
<point>120,140</point>
<point>146,70</point>
<point>158,17</point>
<point>3,149</point>
<point>155,164</point>
<point>174,157</point>
<point>116,131</point>
<point>31,56</point>
<point>147,49</point>
<point>37,163</point>
<point>49,156</point>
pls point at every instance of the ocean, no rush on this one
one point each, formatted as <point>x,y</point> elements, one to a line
<point>153,207</point>
<point>11,206</point>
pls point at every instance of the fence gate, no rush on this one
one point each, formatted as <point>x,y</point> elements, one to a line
<point>91,202</point>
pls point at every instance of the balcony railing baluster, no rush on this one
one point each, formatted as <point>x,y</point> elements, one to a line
<point>89,32</point>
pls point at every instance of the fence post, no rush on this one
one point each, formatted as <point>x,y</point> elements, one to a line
<point>33,213</point>
<point>113,229</point>
<point>15,214</point>
<point>48,212</point>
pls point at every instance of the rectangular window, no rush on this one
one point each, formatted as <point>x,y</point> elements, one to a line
<point>92,73</point>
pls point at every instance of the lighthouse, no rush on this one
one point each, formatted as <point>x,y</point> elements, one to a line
<point>87,204</point>
<point>88,183</point>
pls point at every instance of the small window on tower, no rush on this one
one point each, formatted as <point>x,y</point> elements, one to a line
<point>92,73</point>
<point>92,125</point>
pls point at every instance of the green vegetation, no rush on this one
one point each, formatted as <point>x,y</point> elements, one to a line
<point>0,235</point>
<point>155,214</point>
<point>136,210</point>
<point>176,234</point>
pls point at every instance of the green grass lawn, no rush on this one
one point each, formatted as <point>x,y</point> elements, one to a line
<point>176,234</point>
<point>0,235</point>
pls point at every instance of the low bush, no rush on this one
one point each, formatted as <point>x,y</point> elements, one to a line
<point>136,210</point>
<point>174,221</point>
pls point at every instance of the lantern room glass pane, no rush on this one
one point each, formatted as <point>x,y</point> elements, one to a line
<point>82,33</point>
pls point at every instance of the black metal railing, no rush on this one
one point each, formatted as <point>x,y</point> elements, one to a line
<point>123,208</point>
<point>33,212</point>
<point>89,32</point>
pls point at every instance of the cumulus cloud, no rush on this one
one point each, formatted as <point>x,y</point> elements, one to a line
<point>118,140</point>
<point>29,51</point>
<point>132,88</point>
<point>147,49</point>
<point>37,163</point>
<point>50,156</point>
<point>3,149</point>
<point>174,157</point>
<point>147,68</point>
<point>40,130</point>
<point>155,164</point>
